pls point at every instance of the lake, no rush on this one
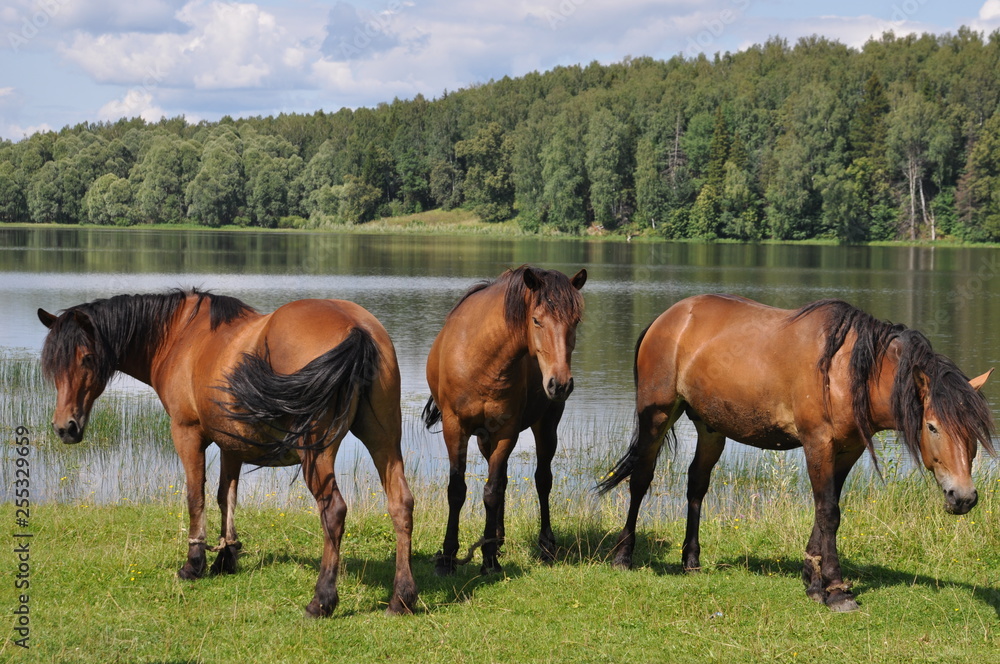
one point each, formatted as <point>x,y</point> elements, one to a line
<point>410,282</point>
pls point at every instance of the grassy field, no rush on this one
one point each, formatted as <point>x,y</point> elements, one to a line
<point>464,222</point>
<point>103,585</point>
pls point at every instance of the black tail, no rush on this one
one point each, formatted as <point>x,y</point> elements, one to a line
<point>295,404</point>
<point>626,464</point>
<point>431,414</point>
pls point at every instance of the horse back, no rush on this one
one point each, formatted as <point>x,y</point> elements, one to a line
<point>200,359</point>
<point>746,369</point>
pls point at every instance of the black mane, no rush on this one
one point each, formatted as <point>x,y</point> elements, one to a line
<point>962,409</point>
<point>124,324</point>
<point>557,295</point>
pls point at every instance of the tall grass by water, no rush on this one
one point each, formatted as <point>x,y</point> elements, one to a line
<point>107,544</point>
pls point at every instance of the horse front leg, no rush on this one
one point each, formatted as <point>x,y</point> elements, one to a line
<point>546,442</point>
<point>821,571</point>
<point>229,543</point>
<point>458,448</point>
<point>318,473</point>
<point>494,499</point>
<point>706,455</point>
<point>190,448</point>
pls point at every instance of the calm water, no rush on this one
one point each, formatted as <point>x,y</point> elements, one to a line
<point>411,282</point>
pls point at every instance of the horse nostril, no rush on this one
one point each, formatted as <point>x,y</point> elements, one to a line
<point>569,386</point>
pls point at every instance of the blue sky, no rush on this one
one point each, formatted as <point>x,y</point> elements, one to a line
<point>68,61</point>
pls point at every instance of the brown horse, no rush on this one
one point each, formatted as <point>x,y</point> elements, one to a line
<point>275,389</point>
<point>824,378</point>
<point>501,364</point>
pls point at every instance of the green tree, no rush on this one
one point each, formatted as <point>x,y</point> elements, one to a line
<point>359,200</point>
<point>13,204</point>
<point>979,189</point>
<point>608,161</point>
<point>215,196</point>
<point>564,197</point>
<point>45,196</point>
<point>917,138</point>
<point>488,187</point>
<point>160,179</point>
<point>109,201</point>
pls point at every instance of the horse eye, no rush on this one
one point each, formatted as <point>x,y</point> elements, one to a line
<point>931,428</point>
<point>535,321</point>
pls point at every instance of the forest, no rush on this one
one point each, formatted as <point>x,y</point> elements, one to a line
<point>899,139</point>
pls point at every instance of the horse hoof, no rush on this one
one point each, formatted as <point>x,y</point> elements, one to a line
<point>547,551</point>
<point>622,561</point>
<point>818,595</point>
<point>189,572</point>
<point>398,607</point>
<point>225,563</point>
<point>317,610</point>
<point>490,568</point>
<point>444,565</point>
<point>842,603</point>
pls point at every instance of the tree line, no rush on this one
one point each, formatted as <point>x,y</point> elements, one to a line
<point>898,139</point>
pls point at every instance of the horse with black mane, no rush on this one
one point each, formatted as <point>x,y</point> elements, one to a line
<point>276,390</point>
<point>499,365</point>
<point>825,377</point>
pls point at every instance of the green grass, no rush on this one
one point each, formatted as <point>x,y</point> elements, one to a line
<point>103,585</point>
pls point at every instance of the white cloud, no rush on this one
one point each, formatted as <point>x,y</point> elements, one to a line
<point>135,103</point>
<point>226,45</point>
<point>989,17</point>
<point>16,132</point>
<point>990,11</point>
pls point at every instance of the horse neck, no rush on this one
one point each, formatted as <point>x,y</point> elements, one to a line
<point>880,391</point>
<point>502,344</point>
<point>137,353</point>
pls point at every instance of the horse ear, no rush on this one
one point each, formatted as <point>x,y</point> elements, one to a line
<point>978,382</point>
<point>48,320</point>
<point>87,325</point>
<point>531,279</point>
<point>579,279</point>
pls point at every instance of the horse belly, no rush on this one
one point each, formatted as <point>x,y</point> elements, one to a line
<point>751,424</point>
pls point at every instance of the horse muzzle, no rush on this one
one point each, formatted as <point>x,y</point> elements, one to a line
<point>71,432</point>
<point>557,391</point>
<point>956,502</point>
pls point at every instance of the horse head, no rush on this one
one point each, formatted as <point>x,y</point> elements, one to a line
<point>553,314</point>
<point>947,445</point>
<point>71,359</point>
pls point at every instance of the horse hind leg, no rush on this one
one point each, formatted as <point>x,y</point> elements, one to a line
<point>229,543</point>
<point>318,473</point>
<point>654,424</point>
<point>457,443</point>
<point>382,437</point>
<point>706,455</point>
